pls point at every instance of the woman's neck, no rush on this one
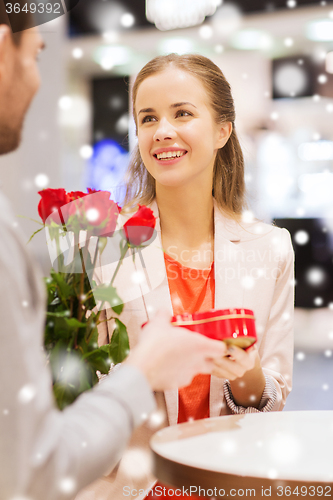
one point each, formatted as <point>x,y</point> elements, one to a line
<point>186,216</point>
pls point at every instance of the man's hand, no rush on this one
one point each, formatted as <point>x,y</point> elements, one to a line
<point>171,356</point>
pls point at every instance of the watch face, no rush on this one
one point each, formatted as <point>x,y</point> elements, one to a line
<point>25,14</point>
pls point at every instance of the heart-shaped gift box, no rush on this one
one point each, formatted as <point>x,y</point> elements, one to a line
<point>233,326</point>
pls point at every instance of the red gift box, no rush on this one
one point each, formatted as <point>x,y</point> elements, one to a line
<point>233,326</point>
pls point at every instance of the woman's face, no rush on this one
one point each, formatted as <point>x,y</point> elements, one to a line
<point>177,133</point>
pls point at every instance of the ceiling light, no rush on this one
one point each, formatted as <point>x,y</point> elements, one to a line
<point>176,45</point>
<point>290,79</point>
<point>219,49</point>
<point>227,20</point>
<point>251,39</point>
<point>316,151</point>
<point>206,32</point>
<point>320,30</point>
<point>110,36</point>
<point>74,111</point>
<point>173,14</point>
<point>289,42</point>
<point>109,56</point>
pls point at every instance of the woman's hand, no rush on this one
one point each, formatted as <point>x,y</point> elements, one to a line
<point>244,372</point>
<point>236,363</point>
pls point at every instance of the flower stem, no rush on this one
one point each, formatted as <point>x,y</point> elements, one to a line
<point>123,253</point>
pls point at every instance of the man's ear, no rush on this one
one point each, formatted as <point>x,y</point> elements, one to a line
<point>5,40</point>
<point>225,133</point>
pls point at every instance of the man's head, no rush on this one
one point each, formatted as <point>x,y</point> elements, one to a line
<point>19,78</point>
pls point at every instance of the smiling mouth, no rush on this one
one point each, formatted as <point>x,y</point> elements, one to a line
<point>170,155</point>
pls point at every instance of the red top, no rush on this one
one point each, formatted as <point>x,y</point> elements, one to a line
<point>192,290</point>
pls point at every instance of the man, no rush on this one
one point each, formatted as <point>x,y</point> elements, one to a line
<point>46,454</point>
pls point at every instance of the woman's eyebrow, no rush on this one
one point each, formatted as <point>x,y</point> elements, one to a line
<point>176,105</point>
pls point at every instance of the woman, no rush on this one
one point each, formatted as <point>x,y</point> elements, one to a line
<point>189,170</point>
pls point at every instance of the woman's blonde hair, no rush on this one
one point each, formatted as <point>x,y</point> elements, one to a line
<point>228,186</point>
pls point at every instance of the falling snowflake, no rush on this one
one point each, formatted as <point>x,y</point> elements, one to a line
<point>322,79</point>
<point>228,446</point>
<point>248,282</point>
<point>156,419</point>
<point>27,393</point>
<point>136,463</point>
<point>272,474</point>
<point>301,237</point>
<point>315,276</point>
<point>284,448</point>
<point>42,181</point>
<point>77,53</point>
<point>138,277</point>
<point>67,485</point>
<point>318,301</point>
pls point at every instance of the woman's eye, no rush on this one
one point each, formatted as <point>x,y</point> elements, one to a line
<point>181,112</point>
<point>147,119</point>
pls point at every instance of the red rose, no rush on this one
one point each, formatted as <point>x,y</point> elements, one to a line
<point>52,200</point>
<point>140,227</point>
<point>95,212</point>
<point>75,195</point>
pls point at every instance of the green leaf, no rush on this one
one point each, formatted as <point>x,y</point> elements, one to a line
<point>74,323</point>
<point>85,381</point>
<point>119,345</point>
<point>108,293</point>
<point>55,302</point>
<point>61,314</point>
<point>94,337</point>
<point>29,218</point>
<point>64,395</point>
<point>99,360</point>
<point>65,289</point>
<point>34,234</point>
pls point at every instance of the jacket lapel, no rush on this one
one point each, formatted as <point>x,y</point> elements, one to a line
<point>155,290</point>
<point>158,298</point>
<point>227,291</point>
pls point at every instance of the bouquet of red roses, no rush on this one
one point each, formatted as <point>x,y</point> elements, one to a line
<point>78,227</point>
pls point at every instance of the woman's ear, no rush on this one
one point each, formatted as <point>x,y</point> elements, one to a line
<point>225,131</point>
<point>4,40</point>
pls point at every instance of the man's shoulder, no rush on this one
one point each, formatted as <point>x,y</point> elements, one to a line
<point>6,212</point>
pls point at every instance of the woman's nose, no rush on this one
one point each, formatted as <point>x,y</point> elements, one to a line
<point>164,130</point>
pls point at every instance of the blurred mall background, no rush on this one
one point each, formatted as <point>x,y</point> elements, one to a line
<point>278,57</point>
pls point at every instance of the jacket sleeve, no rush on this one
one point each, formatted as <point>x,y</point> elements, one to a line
<point>277,346</point>
<point>46,454</point>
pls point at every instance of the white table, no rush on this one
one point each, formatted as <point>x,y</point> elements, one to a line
<point>274,453</point>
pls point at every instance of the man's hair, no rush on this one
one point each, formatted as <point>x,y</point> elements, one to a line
<point>17,22</point>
